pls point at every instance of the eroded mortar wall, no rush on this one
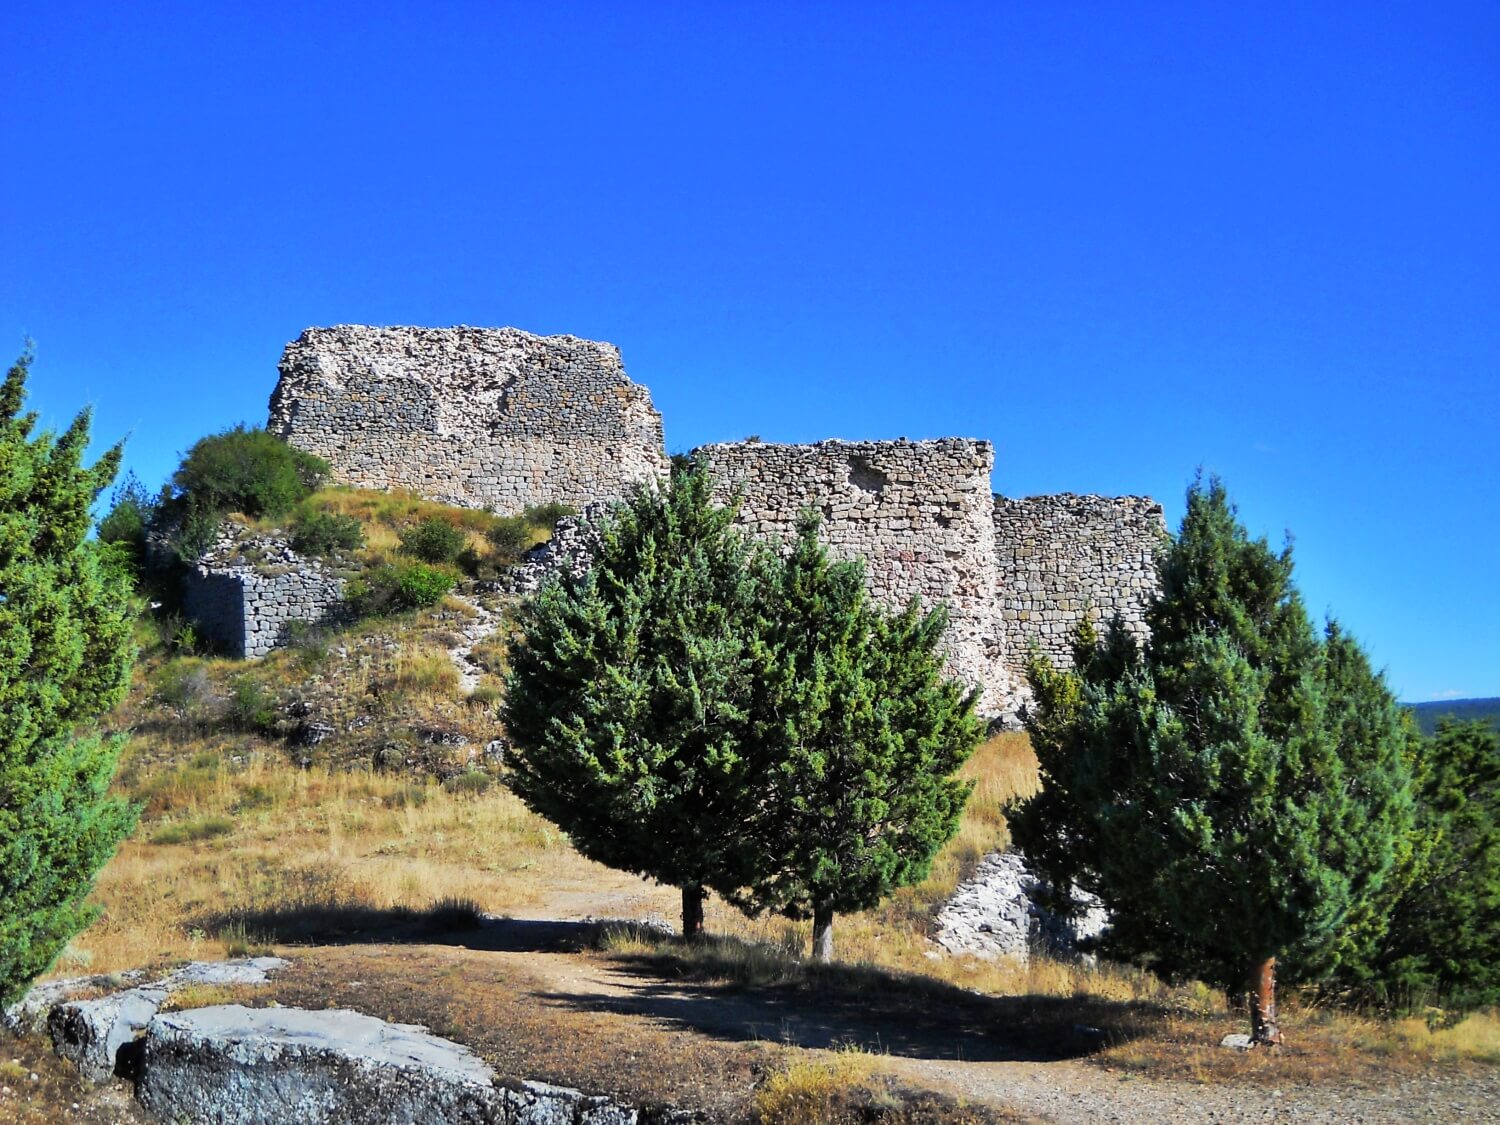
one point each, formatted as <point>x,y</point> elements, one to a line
<point>479,417</point>
<point>918,513</point>
<point>245,592</point>
<point>1063,556</point>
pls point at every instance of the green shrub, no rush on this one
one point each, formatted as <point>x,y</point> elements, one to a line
<point>323,533</point>
<point>123,527</point>
<point>546,515</point>
<point>251,707</point>
<point>510,536</point>
<point>247,470</point>
<point>470,783</point>
<point>192,831</point>
<point>470,562</point>
<point>433,541</point>
<point>419,585</point>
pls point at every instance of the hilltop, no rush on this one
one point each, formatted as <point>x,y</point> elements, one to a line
<point>1464,710</point>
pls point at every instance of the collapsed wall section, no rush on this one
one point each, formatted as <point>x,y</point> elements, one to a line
<point>1065,556</point>
<point>246,592</point>
<point>918,513</point>
<point>477,417</point>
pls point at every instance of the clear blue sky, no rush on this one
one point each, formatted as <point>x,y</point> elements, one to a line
<point>1121,241</point>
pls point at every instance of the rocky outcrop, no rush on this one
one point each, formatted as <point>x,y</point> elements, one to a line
<point>998,912</point>
<point>274,1066</point>
<point>91,1030</point>
<point>269,1066</point>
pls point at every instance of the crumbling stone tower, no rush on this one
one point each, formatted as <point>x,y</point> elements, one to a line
<point>480,417</point>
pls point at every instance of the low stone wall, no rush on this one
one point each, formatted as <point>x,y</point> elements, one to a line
<point>243,595</point>
<point>478,417</point>
<point>917,512</point>
<point>1063,556</point>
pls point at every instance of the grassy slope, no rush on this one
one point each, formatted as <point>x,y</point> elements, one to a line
<point>249,839</point>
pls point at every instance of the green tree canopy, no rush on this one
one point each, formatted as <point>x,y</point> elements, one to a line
<point>239,470</point>
<point>1438,938</point>
<point>628,688</point>
<point>856,735</point>
<point>1238,790</point>
<point>65,657</point>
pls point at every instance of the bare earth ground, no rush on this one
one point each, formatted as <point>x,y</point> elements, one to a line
<point>536,1000</point>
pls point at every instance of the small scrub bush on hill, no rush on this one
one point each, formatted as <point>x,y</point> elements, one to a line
<point>469,783</point>
<point>247,470</point>
<point>433,541</point>
<point>240,470</point>
<point>323,533</point>
<point>251,707</point>
<point>545,516</point>
<point>420,586</point>
<point>194,831</point>
<point>390,588</point>
<point>510,537</point>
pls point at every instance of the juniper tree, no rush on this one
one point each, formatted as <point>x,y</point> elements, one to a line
<point>855,736</point>
<point>626,698</point>
<point>1437,938</point>
<point>1237,790</point>
<point>65,656</point>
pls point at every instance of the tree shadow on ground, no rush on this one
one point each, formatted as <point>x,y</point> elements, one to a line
<point>741,991</point>
<point>339,921</point>
<point>731,989</point>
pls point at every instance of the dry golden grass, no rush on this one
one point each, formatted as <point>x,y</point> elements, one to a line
<point>305,839</point>
<point>242,847</point>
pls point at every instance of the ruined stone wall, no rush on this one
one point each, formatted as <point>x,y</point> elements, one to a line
<point>1062,556</point>
<point>918,513</point>
<point>246,591</point>
<point>479,417</point>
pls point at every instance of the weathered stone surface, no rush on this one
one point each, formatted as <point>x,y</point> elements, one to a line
<point>28,1015</point>
<point>247,589</point>
<point>479,417</point>
<point>996,913</point>
<point>1064,557</point>
<point>275,1065</point>
<point>90,1033</point>
<point>918,512</point>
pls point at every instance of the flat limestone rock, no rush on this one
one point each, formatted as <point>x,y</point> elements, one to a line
<point>269,1066</point>
<point>28,1015</point>
<point>91,1033</point>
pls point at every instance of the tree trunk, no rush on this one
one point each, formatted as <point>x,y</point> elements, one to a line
<point>692,912</point>
<point>1265,1030</point>
<point>822,933</point>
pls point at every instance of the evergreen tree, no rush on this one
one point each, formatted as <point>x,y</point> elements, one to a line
<point>1238,790</point>
<point>1439,936</point>
<point>856,736</point>
<point>65,656</point>
<point>626,698</point>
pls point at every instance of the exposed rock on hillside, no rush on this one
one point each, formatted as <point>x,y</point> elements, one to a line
<point>996,913</point>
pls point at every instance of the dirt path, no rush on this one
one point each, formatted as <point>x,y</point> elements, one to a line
<point>527,997</point>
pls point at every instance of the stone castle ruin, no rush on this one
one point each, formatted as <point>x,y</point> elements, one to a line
<point>502,419</point>
<point>1014,573</point>
<point>478,417</point>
